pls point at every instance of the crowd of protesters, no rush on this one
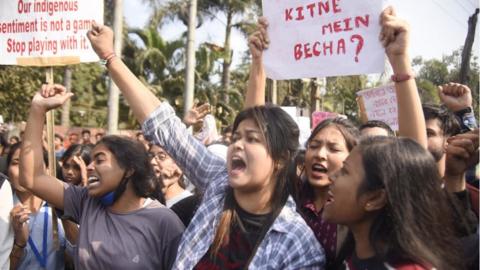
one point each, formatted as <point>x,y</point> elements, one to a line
<point>354,197</point>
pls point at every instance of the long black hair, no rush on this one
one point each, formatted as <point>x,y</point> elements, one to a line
<point>350,133</point>
<point>281,136</point>
<point>84,151</point>
<point>132,155</point>
<point>415,224</point>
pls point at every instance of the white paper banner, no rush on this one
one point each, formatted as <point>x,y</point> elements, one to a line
<point>323,38</point>
<point>47,32</point>
<point>381,104</point>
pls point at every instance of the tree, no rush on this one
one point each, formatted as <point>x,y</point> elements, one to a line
<point>434,72</point>
<point>17,87</point>
<point>341,95</point>
<point>231,9</point>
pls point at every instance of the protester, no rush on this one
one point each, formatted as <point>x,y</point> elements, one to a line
<point>98,136</point>
<point>73,138</point>
<point>74,172</point>
<point>4,148</point>
<point>388,194</point>
<point>440,125</point>
<point>173,190</point>
<point>250,189</point>
<point>74,164</point>
<point>376,128</point>
<point>462,153</point>
<point>458,99</point>
<point>327,147</point>
<point>58,144</point>
<point>171,176</point>
<point>86,137</point>
<point>34,245</point>
<point>6,230</point>
<point>331,141</point>
<point>113,214</point>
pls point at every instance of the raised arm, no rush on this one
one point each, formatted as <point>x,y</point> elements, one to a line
<point>159,122</point>
<point>458,99</point>
<point>257,42</point>
<point>395,39</point>
<point>33,175</point>
<point>142,101</point>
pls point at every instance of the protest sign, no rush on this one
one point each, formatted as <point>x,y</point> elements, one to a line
<point>47,32</point>
<point>320,38</point>
<point>318,117</point>
<point>381,104</point>
<point>290,110</point>
<point>303,123</point>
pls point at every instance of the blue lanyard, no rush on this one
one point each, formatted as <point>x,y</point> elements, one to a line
<point>41,259</point>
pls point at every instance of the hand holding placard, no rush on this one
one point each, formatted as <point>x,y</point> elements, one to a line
<point>323,38</point>
<point>394,36</point>
<point>259,41</point>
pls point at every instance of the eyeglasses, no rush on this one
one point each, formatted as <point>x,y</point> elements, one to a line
<point>161,156</point>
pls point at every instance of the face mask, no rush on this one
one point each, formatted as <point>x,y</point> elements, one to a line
<point>108,199</point>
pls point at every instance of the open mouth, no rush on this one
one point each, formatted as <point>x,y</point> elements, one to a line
<point>318,168</point>
<point>238,165</point>
<point>93,180</point>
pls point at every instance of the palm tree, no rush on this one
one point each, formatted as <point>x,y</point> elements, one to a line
<point>231,9</point>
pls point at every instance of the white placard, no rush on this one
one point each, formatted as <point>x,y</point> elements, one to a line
<point>47,32</point>
<point>381,104</point>
<point>320,38</point>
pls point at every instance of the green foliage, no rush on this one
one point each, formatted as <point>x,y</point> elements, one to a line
<point>17,87</point>
<point>342,92</point>
<point>434,72</point>
<point>89,84</point>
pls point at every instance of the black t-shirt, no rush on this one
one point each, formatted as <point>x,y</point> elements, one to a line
<point>186,208</point>
<point>243,238</point>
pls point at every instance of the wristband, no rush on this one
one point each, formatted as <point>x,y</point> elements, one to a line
<point>107,59</point>
<point>401,77</point>
<point>19,246</point>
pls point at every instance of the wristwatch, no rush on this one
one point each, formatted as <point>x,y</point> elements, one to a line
<point>467,119</point>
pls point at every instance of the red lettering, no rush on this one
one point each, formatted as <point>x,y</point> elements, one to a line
<point>9,45</point>
<point>323,6</point>
<point>299,14</point>
<point>363,20</point>
<point>297,51</point>
<point>341,46</point>
<point>306,49</point>
<point>337,27</point>
<point>336,9</point>
<point>327,27</point>
<point>327,46</point>
<point>347,24</point>
<point>15,46</point>
<point>288,14</point>
<point>315,50</point>
<point>311,9</point>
